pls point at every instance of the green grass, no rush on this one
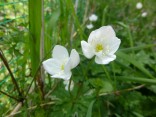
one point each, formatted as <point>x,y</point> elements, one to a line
<point>125,87</point>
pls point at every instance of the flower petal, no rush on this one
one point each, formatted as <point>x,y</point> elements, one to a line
<point>60,53</point>
<point>52,66</point>
<point>114,45</point>
<point>74,58</point>
<point>87,49</point>
<point>104,59</point>
<point>63,75</point>
<point>105,32</point>
<point>93,17</point>
<point>111,45</point>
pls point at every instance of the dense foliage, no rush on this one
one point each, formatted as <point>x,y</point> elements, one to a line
<point>126,87</point>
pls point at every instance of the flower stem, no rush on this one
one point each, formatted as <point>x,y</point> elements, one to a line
<point>10,72</point>
<point>107,73</point>
<point>69,86</point>
<point>9,95</point>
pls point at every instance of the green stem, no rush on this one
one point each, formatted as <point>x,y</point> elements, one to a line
<point>36,29</point>
<point>69,86</point>
<point>107,73</point>
<point>35,26</point>
<point>137,79</point>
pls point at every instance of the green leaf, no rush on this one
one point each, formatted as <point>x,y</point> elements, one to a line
<point>137,79</point>
<point>135,63</point>
<point>89,111</point>
<point>101,83</point>
<point>35,26</point>
<point>107,87</point>
<point>137,114</point>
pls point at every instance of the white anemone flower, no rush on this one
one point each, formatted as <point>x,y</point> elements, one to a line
<point>102,43</point>
<point>144,14</point>
<point>139,5</point>
<point>89,26</point>
<point>66,83</point>
<point>93,17</point>
<point>60,65</point>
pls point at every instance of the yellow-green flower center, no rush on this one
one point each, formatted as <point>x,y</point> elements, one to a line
<point>62,67</point>
<point>99,47</point>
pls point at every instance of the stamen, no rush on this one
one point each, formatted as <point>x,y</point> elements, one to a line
<point>99,47</point>
<point>62,67</point>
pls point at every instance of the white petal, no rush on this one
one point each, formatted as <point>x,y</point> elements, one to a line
<point>104,59</point>
<point>144,14</point>
<point>105,32</point>
<point>52,66</point>
<point>113,45</point>
<point>87,49</point>
<point>93,17</point>
<point>89,26</point>
<point>60,53</point>
<point>74,58</point>
<point>139,5</point>
<point>63,75</point>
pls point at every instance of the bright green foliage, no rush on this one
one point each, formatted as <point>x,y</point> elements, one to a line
<point>123,88</point>
<point>35,26</point>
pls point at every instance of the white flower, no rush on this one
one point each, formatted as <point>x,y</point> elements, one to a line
<point>93,17</point>
<point>139,5</point>
<point>61,64</point>
<point>89,26</point>
<point>144,14</point>
<point>102,43</point>
<point>66,83</point>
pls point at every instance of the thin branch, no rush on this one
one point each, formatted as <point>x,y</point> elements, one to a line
<point>19,105</point>
<point>31,83</point>
<point>125,90</point>
<point>69,86</point>
<point>72,27</point>
<point>9,96</point>
<point>85,14</point>
<point>31,108</point>
<point>53,88</point>
<point>40,79</point>
<point>11,74</point>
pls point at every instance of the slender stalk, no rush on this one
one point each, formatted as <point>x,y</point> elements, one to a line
<point>36,27</point>
<point>124,90</point>
<point>31,108</point>
<point>85,14</point>
<point>35,24</point>
<point>42,50</point>
<point>137,79</point>
<point>31,82</point>
<point>11,74</point>
<point>9,95</point>
<point>107,73</point>
<point>53,88</point>
<point>69,86</point>
<point>136,48</point>
<point>72,27</point>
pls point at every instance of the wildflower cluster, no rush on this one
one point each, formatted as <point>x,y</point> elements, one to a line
<point>92,18</point>
<point>139,6</point>
<point>102,43</point>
